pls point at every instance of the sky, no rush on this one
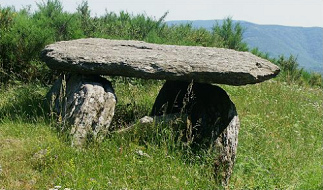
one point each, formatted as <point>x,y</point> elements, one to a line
<point>305,13</point>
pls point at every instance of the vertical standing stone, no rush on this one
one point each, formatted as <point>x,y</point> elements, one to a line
<point>86,103</point>
<point>211,119</point>
<point>226,145</point>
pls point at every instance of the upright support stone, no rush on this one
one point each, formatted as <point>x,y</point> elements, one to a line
<point>226,144</point>
<point>84,102</point>
<point>212,118</point>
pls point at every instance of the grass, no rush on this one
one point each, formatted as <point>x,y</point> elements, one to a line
<point>280,143</point>
<point>281,137</point>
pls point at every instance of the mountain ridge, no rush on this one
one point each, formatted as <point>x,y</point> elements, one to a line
<point>306,43</point>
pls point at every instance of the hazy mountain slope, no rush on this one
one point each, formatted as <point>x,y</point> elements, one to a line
<point>304,42</point>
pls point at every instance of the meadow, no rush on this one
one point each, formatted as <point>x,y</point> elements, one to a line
<point>280,139</point>
<point>280,143</point>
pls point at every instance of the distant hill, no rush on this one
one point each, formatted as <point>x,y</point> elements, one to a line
<point>304,42</point>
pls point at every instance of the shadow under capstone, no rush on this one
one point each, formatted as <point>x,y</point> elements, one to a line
<point>212,119</point>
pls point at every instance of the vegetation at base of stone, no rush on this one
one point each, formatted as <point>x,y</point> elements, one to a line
<point>24,34</point>
<point>279,143</point>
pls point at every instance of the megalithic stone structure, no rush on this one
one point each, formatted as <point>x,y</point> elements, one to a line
<point>87,101</point>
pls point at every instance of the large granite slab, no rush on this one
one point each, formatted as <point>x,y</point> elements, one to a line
<point>155,61</point>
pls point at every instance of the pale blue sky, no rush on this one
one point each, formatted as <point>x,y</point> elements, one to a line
<point>305,13</point>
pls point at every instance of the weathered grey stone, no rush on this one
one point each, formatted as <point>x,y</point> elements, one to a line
<point>153,61</point>
<point>146,120</point>
<point>226,145</point>
<point>211,119</point>
<point>86,103</point>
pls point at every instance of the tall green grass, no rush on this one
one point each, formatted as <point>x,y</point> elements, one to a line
<point>280,143</point>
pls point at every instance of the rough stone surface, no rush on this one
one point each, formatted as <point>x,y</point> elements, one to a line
<point>226,145</point>
<point>153,61</point>
<point>86,103</point>
<point>211,119</point>
<point>146,120</point>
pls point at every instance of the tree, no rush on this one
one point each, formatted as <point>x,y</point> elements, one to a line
<point>229,35</point>
<point>289,68</point>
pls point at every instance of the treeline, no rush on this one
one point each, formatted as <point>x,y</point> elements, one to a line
<point>23,34</point>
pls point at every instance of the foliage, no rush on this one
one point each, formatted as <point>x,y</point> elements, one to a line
<point>315,80</point>
<point>63,25</point>
<point>258,53</point>
<point>84,15</point>
<point>291,73</point>
<point>289,68</point>
<point>21,41</point>
<point>229,35</point>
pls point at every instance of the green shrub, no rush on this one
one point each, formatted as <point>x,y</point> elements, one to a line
<point>6,18</point>
<point>316,80</point>
<point>84,14</point>
<point>229,35</point>
<point>291,73</point>
<point>263,55</point>
<point>20,44</point>
<point>63,25</point>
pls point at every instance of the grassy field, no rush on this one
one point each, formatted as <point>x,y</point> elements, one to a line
<point>280,143</point>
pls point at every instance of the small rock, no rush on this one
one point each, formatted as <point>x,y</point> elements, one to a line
<point>40,154</point>
<point>146,120</point>
<point>141,153</point>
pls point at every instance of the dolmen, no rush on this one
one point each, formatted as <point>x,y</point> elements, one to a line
<point>86,100</point>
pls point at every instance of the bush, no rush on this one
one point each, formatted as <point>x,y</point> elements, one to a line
<point>20,44</point>
<point>63,25</point>
<point>229,35</point>
<point>316,80</point>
